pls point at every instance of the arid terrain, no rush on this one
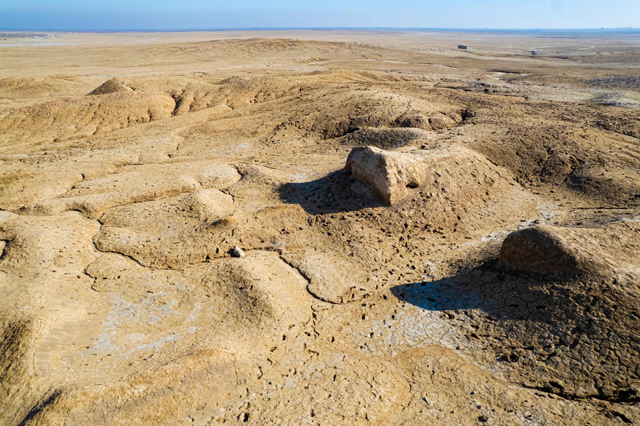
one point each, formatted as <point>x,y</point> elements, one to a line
<point>320,227</point>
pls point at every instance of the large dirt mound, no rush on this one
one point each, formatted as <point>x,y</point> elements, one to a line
<point>589,314</point>
<point>448,170</point>
<point>585,252</point>
<point>351,111</point>
<point>111,86</point>
<point>39,87</point>
<point>84,117</point>
<point>562,304</point>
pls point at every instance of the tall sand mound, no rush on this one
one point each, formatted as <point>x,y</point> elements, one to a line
<point>110,86</point>
<point>586,252</point>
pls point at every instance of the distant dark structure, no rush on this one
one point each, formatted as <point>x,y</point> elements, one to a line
<point>462,46</point>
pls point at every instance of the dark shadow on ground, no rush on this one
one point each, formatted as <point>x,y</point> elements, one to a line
<point>41,406</point>
<point>544,328</point>
<point>515,296</point>
<point>441,295</point>
<point>488,287</point>
<point>337,192</point>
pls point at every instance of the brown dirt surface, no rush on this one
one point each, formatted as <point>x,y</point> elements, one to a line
<point>430,236</point>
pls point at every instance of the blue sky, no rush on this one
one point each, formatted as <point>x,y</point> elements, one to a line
<point>212,14</point>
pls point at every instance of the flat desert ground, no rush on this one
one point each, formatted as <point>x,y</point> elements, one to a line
<point>320,227</point>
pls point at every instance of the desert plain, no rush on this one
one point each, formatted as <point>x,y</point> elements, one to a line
<point>320,227</point>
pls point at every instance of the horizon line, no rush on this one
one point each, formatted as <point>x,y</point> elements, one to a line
<point>159,30</point>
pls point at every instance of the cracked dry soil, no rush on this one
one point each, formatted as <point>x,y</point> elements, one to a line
<point>500,287</point>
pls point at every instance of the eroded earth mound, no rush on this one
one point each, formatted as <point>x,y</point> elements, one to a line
<point>426,240</point>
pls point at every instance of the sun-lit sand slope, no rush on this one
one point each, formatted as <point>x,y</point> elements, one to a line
<point>431,236</point>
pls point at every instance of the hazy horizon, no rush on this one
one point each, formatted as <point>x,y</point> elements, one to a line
<point>408,29</point>
<point>193,15</point>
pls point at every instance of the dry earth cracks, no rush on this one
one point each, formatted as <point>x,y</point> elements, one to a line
<point>415,253</point>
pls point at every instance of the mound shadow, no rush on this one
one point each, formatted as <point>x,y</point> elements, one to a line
<point>500,294</point>
<point>552,324</point>
<point>440,295</point>
<point>337,192</point>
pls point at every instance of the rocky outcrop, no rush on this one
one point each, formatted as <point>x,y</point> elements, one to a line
<point>391,174</point>
<point>539,249</point>
<point>449,171</point>
<point>587,252</point>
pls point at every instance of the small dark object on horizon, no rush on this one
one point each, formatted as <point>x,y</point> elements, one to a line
<point>462,46</point>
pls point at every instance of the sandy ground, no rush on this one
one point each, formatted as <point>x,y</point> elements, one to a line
<point>478,263</point>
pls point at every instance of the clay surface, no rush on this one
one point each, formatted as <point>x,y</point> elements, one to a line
<point>320,227</point>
